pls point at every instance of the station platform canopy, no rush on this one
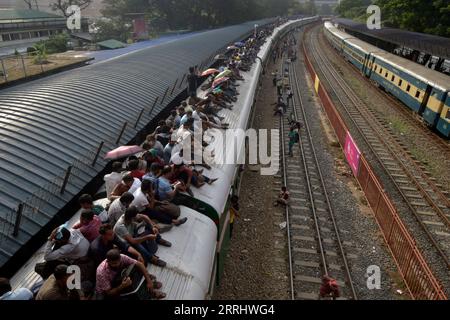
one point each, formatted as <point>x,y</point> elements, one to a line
<point>426,43</point>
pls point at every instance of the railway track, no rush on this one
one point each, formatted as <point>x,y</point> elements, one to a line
<point>438,145</point>
<point>427,203</point>
<point>315,246</point>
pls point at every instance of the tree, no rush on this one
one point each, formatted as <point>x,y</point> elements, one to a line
<point>353,9</point>
<point>29,3</point>
<point>416,15</point>
<point>62,5</point>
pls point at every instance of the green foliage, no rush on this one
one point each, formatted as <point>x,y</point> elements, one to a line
<point>61,5</point>
<point>57,43</point>
<point>40,53</point>
<point>113,28</point>
<point>431,16</point>
<point>353,9</point>
<point>201,14</point>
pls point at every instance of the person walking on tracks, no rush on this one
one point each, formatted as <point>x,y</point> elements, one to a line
<point>289,96</point>
<point>293,139</point>
<point>329,288</point>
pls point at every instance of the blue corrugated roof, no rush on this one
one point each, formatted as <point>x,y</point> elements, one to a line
<point>47,124</point>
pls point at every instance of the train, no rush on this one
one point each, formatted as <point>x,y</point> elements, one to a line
<point>196,259</point>
<point>424,91</point>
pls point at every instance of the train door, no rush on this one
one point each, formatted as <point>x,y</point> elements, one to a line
<point>370,63</point>
<point>425,100</point>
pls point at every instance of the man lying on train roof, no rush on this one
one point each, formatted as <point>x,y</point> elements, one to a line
<point>109,280</point>
<point>142,233</point>
<point>162,211</point>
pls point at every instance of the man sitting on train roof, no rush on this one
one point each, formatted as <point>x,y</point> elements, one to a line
<point>135,172</point>
<point>110,282</point>
<point>164,189</point>
<point>55,287</point>
<point>88,225</point>
<point>153,143</point>
<point>65,246</point>
<point>108,240</point>
<point>142,233</point>
<point>151,156</point>
<point>7,293</point>
<point>162,211</point>
<point>128,184</point>
<point>87,204</point>
<point>114,178</point>
<point>119,206</point>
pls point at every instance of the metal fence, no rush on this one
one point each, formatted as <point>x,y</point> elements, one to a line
<point>22,65</point>
<point>417,276</point>
<point>80,171</point>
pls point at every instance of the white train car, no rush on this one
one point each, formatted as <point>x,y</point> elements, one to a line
<point>195,260</point>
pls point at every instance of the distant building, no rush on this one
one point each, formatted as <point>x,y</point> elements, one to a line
<point>92,11</point>
<point>21,28</point>
<point>321,2</point>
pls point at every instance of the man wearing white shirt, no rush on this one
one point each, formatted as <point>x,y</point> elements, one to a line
<point>114,178</point>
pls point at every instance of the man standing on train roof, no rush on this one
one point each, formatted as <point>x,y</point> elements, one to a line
<point>114,178</point>
<point>193,78</point>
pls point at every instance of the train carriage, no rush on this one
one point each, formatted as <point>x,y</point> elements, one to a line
<point>336,37</point>
<point>196,259</point>
<point>443,124</point>
<point>421,89</point>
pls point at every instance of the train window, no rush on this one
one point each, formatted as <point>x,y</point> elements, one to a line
<point>393,78</point>
<point>381,70</point>
<point>408,87</point>
<point>448,114</point>
<point>375,68</point>
<point>400,82</point>
<point>386,74</point>
<point>417,94</point>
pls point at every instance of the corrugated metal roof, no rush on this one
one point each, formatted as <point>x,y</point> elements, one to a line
<point>111,44</point>
<point>434,45</point>
<point>22,14</point>
<point>48,124</point>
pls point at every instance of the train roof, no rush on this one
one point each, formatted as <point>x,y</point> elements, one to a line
<point>432,77</point>
<point>189,261</point>
<point>48,124</point>
<point>340,34</point>
<point>434,45</point>
<point>217,194</point>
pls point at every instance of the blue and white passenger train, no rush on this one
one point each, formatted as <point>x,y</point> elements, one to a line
<point>199,247</point>
<point>425,91</point>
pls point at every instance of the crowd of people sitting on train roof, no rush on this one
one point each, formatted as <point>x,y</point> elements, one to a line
<point>111,245</point>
